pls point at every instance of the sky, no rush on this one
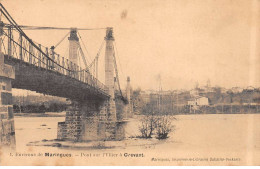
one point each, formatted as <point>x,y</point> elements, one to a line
<point>182,41</point>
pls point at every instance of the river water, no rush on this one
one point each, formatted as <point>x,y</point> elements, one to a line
<point>212,139</point>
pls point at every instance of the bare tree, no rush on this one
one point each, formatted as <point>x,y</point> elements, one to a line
<point>164,126</point>
<point>148,125</point>
<point>161,124</point>
<point>154,119</point>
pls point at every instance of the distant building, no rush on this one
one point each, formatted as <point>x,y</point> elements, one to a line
<point>145,96</point>
<point>249,89</point>
<point>236,89</point>
<point>199,101</point>
<point>223,90</point>
<point>194,92</point>
<point>199,91</point>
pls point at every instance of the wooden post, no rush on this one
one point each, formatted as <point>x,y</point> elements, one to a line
<point>86,77</point>
<point>63,65</point>
<point>71,68</point>
<point>53,58</point>
<point>39,56</point>
<point>30,52</point>
<point>9,41</point>
<point>21,47</point>
<point>83,76</point>
<point>58,61</point>
<point>68,66</point>
<point>47,59</point>
<point>77,72</point>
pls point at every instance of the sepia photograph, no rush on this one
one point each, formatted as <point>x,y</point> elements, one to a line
<point>129,83</point>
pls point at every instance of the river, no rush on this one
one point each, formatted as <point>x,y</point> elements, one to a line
<point>204,139</point>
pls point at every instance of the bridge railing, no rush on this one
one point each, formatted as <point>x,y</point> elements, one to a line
<point>14,44</point>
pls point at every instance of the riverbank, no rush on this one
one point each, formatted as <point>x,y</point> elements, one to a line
<point>130,142</point>
<point>47,114</point>
<point>63,114</point>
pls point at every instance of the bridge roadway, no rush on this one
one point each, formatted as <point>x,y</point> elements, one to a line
<point>56,83</point>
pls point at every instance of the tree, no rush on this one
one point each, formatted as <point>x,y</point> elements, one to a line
<point>148,125</point>
<point>138,101</point>
<point>153,120</point>
<point>42,108</point>
<point>164,126</point>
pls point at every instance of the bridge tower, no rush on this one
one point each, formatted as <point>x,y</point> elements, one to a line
<point>73,46</point>
<point>109,74</point>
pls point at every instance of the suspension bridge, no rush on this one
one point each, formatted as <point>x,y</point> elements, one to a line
<point>98,110</point>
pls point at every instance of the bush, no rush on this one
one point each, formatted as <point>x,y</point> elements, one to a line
<point>164,126</point>
<point>147,127</point>
<point>161,124</point>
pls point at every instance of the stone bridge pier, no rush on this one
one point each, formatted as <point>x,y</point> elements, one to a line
<point>7,130</point>
<point>89,121</point>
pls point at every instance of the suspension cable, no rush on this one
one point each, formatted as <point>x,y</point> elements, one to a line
<point>82,55</point>
<point>84,46</point>
<point>97,56</point>
<point>117,76</point>
<point>26,27</point>
<point>61,40</point>
<point>121,69</point>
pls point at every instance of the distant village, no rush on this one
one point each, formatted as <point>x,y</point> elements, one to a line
<point>200,100</point>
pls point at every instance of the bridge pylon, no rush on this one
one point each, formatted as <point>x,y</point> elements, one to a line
<point>109,74</point>
<point>73,46</point>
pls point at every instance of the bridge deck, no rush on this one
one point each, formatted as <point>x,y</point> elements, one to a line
<point>51,82</point>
